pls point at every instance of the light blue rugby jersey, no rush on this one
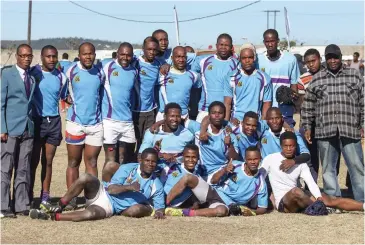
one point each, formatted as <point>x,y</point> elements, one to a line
<point>284,71</point>
<point>176,87</point>
<point>144,97</point>
<point>85,88</point>
<point>245,141</point>
<point>174,175</point>
<point>65,64</point>
<point>171,142</point>
<point>271,144</point>
<point>240,188</point>
<point>151,191</point>
<point>214,73</point>
<point>248,92</point>
<point>50,88</point>
<point>213,154</point>
<point>120,84</point>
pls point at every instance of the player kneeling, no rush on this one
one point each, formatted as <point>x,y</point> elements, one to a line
<point>241,186</point>
<point>288,197</point>
<point>187,191</point>
<point>129,193</point>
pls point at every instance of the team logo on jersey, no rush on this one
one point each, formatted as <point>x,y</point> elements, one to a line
<point>143,73</point>
<point>239,84</point>
<point>238,137</point>
<point>115,74</point>
<point>170,80</point>
<point>263,69</point>
<point>210,67</point>
<point>129,180</point>
<point>264,141</point>
<point>234,178</point>
<point>77,79</point>
<point>175,174</point>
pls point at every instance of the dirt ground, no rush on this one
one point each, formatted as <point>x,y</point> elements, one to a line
<point>346,228</point>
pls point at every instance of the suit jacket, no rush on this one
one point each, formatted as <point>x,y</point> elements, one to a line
<point>16,108</point>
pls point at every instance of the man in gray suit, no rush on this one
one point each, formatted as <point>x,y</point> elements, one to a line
<point>16,132</point>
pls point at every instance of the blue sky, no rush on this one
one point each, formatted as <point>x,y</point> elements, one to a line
<point>312,22</point>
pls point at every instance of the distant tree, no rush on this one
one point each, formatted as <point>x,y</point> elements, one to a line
<point>283,44</point>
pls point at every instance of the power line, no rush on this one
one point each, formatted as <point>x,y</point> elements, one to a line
<point>163,22</point>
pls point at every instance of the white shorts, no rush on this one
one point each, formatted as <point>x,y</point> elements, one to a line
<point>201,116</point>
<point>115,131</point>
<point>159,116</point>
<point>102,200</point>
<point>77,134</point>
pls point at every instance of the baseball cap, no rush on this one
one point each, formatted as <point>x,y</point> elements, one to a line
<point>332,49</point>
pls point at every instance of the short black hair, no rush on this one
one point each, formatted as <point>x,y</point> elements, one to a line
<point>288,135</point>
<point>252,148</point>
<point>125,44</point>
<point>191,147</point>
<point>114,55</point>
<point>251,114</point>
<point>186,47</point>
<point>48,47</point>
<point>147,151</point>
<point>356,53</point>
<point>171,105</point>
<point>273,109</point>
<point>217,103</point>
<point>177,47</point>
<point>65,56</point>
<point>150,39</point>
<point>76,59</point>
<point>271,31</point>
<point>159,31</point>
<point>225,35</point>
<point>22,46</point>
<point>87,43</point>
<point>312,51</point>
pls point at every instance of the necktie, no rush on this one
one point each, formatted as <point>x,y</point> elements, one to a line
<point>27,83</point>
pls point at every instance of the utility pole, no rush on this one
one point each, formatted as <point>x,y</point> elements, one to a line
<point>268,17</point>
<point>29,22</point>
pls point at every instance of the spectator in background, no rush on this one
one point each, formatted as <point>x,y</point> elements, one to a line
<point>17,87</point>
<point>357,64</point>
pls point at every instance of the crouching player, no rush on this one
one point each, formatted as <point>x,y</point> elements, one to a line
<point>187,191</point>
<point>241,186</point>
<point>131,191</point>
<point>288,197</point>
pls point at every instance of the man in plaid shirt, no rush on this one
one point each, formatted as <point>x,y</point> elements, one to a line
<point>334,103</point>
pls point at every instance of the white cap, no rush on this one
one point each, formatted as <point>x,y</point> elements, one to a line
<point>249,46</point>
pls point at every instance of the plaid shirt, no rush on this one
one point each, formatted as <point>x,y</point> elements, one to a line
<point>334,103</point>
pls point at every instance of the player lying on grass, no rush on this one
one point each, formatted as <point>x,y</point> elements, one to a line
<point>239,184</point>
<point>186,191</point>
<point>288,197</point>
<point>131,191</point>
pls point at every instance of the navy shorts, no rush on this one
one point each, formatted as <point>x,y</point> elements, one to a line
<point>48,129</point>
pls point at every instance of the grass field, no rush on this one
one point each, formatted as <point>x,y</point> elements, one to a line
<point>346,228</point>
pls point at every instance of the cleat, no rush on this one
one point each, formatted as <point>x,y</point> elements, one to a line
<point>38,214</point>
<point>47,207</point>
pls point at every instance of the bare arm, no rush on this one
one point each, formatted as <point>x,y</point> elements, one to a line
<point>115,189</point>
<point>217,176</point>
<point>265,107</point>
<point>228,104</point>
